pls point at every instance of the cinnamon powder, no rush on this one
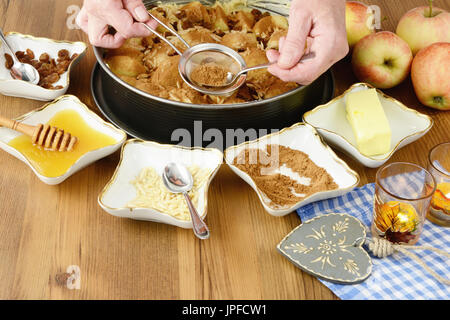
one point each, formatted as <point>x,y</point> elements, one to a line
<point>286,178</point>
<point>209,74</point>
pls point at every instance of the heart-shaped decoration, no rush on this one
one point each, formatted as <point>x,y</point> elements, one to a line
<point>330,247</point>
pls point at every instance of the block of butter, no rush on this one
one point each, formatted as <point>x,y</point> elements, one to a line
<point>368,120</point>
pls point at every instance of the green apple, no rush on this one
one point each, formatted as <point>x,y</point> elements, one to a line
<point>358,21</point>
<point>423,26</point>
<point>382,59</point>
<point>430,75</point>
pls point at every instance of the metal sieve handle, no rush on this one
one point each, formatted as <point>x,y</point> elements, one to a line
<point>169,29</point>
<point>163,39</point>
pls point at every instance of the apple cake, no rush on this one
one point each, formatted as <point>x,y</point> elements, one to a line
<point>151,65</point>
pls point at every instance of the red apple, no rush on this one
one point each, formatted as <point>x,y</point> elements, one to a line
<point>430,74</point>
<point>358,19</point>
<point>382,59</point>
<point>423,26</point>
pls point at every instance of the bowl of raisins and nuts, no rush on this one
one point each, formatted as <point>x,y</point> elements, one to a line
<point>52,59</point>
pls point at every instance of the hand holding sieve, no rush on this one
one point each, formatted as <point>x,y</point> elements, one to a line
<point>211,53</point>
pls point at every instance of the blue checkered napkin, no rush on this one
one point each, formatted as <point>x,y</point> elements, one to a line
<point>397,276</point>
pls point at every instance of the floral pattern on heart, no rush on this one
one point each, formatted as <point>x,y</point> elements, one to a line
<point>325,247</point>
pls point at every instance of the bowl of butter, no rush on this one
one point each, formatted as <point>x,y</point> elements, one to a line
<point>367,124</point>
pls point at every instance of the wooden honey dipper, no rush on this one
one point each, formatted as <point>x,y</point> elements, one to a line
<point>50,138</point>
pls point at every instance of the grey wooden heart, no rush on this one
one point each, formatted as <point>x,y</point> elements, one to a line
<point>325,247</point>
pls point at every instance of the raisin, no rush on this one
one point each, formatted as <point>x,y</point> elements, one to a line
<point>263,41</point>
<point>45,85</point>
<point>45,69</point>
<point>187,24</point>
<point>30,54</point>
<point>44,57</point>
<point>247,93</point>
<point>256,14</point>
<point>180,14</point>
<point>220,33</point>
<point>161,10</point>
<point>8,61</point>
<point>36,64</point>
<point>20,54</point>
<point>25,59</point>
<point>52,78</point>
<point>206,25</point>
<point>62,66</point>
<point>63,54</point>
<point>231,23</point>
<point>172,53</point>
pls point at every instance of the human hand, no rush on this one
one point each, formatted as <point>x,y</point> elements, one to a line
<point>320,25</point>
<point>97,15</point>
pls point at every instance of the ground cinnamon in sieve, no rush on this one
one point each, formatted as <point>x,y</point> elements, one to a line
<point>209,74</point>
<point>285,178</point>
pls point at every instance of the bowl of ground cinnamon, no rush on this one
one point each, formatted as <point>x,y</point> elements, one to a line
<point>291,168</point>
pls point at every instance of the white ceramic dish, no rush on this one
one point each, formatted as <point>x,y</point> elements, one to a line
<point>23,89</point>
<point>407,125</point>
<point>137,155</point>
<point>44,114</point>
<point>305,138</point>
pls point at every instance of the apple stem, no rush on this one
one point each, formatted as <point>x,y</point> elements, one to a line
<point>431,7</point>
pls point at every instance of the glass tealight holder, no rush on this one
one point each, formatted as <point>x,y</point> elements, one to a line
<point>403,194</point>
<point>439,166</point>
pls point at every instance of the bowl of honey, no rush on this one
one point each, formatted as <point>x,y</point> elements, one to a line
<point>96,139</point>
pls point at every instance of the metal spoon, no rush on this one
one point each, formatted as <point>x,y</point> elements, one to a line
<point>178,179</point>
<point>231,78</point>
<point>20,71</point>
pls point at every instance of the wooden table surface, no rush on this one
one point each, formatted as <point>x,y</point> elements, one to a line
<point>44,229</point>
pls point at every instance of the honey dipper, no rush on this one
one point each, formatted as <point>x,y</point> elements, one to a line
<point>44,135</point>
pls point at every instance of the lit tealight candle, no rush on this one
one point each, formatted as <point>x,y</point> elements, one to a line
<point>441,198</point>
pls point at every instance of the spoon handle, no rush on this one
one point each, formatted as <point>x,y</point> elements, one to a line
<point>259,66</point>
<point>8,48</point>
<point>266,65</point>
<point>200,228</point>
